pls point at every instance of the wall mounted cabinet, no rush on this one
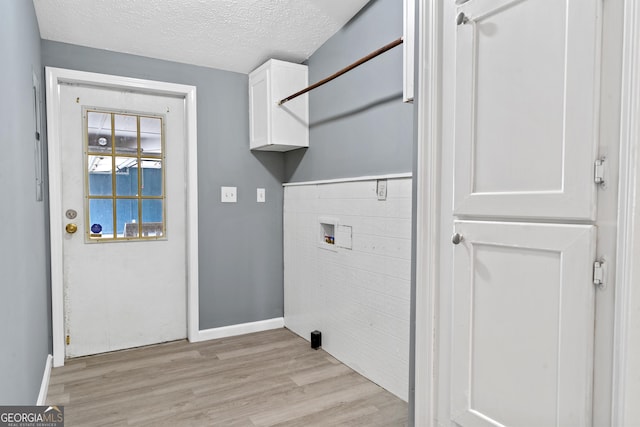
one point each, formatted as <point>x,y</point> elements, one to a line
<point>276,127</point>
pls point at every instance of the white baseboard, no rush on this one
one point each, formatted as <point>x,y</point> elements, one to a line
<point>239,329</point>
<point>44,386</point>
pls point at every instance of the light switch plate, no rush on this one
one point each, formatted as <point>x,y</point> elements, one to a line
<point>228,194</point>
<point>260,195</point>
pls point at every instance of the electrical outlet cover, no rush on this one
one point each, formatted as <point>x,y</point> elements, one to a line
<point>228,194</point>
<point>381,189</point>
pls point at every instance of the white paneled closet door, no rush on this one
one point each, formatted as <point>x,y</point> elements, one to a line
<point>524,313</point>
<point>526,117</point>
<point>526,112</point>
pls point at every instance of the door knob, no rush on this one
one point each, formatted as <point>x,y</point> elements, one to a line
<point>71,228</point>
<point>456,238</point>
<point>461,19</point>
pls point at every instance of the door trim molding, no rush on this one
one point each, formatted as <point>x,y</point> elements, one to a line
<point>427,234</point>
<point>57,76</point>
<point>628,239</point>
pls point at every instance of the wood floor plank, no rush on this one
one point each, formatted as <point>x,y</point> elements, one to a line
<point>270,378</point>
<point>319,374</point>
<point>336,415</point>
<point>286,397</point>
<point>302,408</point>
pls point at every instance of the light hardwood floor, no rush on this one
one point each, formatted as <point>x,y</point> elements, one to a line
<point>270,378</point>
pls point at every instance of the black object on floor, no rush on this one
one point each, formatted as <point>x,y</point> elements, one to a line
<point>316,340</point>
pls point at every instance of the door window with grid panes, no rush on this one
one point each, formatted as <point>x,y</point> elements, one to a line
<point>125,197</point>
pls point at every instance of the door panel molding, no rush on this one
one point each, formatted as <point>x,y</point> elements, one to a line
<point>58,76</point>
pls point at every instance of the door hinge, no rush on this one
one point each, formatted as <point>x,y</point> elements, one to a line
<point>68,339</point>
<point>598,273</point>
<point>598,171</point>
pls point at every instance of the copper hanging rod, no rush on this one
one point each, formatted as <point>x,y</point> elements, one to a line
<point>344,70</point>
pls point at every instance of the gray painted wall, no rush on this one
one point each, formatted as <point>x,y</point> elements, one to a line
<point>358,123</point>
<point>241,269</point>
<point>24,290</point>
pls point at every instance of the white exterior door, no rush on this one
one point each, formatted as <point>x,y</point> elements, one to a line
<point>526,119</point>
<point>524,203</point>
<point>523,297</point>
<point>123,174</point>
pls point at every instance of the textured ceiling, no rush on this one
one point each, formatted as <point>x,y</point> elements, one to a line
<point>234,35</point>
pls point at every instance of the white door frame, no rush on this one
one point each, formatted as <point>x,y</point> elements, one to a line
<point>429,233</point>
<point>57,76</point>
<point>625,366</point>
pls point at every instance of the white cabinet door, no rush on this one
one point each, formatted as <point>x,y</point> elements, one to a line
<point>260,110</point>
<point>527,74</point>
<point>523,316</point>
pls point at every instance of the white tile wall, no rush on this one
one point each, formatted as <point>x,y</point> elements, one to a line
<point>358,298</point>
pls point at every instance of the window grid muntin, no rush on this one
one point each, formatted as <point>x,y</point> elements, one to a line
<point>139,156</point>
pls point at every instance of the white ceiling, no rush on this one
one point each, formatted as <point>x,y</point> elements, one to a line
<point>234,35</point>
